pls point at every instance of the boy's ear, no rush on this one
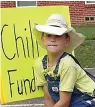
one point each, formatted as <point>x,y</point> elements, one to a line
<point>67,41</point>
<point>41,38</point>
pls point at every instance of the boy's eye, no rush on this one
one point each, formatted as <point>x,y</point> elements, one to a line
<point>48,35</point>
<point>58,36</point>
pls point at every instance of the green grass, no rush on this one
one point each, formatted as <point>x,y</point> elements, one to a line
<point>85,53</point>
<point>88,31</point>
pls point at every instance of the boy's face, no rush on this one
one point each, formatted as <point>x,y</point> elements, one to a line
<point>55,43</point>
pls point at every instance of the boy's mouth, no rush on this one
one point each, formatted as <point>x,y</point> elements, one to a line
<point>52,45</point>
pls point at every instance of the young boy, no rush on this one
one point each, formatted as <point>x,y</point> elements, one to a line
<point>64,82</point>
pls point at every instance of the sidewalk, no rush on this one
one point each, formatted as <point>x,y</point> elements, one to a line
<point>91,70</point>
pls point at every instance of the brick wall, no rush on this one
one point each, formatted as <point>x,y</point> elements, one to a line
<point>7,4</point>
<point>78,10</point>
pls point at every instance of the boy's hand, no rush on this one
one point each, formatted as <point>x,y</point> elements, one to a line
<point>64,99</point>
<point>48,101</point>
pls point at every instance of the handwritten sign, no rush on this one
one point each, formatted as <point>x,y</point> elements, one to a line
<point>19,49</point>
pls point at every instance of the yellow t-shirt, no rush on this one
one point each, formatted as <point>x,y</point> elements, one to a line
<point>71,75</point>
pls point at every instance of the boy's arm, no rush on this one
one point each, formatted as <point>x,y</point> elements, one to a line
<point>48,101</point>
<point>64,99</point>
<point>67,83</point>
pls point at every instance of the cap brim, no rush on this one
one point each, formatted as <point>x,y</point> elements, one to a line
<point>52,30</point>
<point>75,40</point>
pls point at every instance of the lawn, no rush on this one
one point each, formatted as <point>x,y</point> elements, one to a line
<point>85,53</point>
<point>88,31</point>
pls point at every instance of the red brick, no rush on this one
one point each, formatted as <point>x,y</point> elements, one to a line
<point>6,4</point>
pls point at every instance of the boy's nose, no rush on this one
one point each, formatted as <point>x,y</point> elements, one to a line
<point>53,38</point>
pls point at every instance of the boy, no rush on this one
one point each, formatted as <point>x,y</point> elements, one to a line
<point>64,82</point>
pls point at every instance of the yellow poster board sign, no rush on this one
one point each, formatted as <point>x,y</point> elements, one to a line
<point>19,49</point>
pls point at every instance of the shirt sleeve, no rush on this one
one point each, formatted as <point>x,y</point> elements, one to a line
<point>68,79</point>
<point>39,75</point>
